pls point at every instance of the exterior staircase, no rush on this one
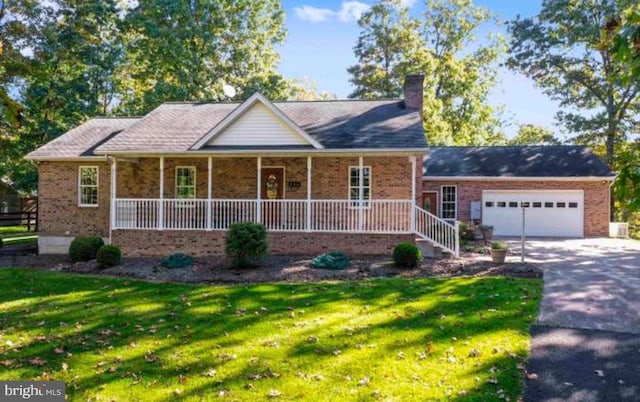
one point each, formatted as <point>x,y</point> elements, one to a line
<point>435,237</point>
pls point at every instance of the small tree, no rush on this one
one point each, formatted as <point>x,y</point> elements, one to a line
<point>245,242</point>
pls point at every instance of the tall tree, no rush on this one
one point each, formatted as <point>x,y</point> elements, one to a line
<point>457,108</point>
<point>566,51</point>
<point>384,51</point>
<point>459,71</point>
<point>530,134</point>
<point>187,50</point>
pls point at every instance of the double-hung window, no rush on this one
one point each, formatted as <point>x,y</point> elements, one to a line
<point>186,182</point>
<point>88,186</point>
<point>355,184</point>
<point>448,205</point>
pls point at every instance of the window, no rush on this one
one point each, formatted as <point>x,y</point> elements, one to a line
<point>186,182</point>
<point>573,205</point>
<point>354,183</point>
<point>449,201</point>
<point>537,205</point>
<point>88,186</point>
<point>488,204</point>
<point>502,204</point>
<point>525,204</point>
<point>513,204</point>
<point>560,204</point>
<point>548,204</point>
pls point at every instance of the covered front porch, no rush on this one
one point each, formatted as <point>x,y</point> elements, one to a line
<point>351,194</point>
<point>310,194</point>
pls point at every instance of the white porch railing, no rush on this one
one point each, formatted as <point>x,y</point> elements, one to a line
<point>436,230</point>
<point>375,216</point>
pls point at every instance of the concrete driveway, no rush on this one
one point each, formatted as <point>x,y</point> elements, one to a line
<point>589,283</point>
<point>586,346</point>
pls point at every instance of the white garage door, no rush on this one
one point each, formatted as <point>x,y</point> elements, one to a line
<point>557,213</point>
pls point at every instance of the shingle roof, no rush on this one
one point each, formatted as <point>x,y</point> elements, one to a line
<point>175,127</point>
<point>514,161</point>
<point>82,140</point>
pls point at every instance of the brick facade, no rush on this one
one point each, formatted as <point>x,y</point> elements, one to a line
<point>596,197</point>
<point>159,243</point>
<point>233,178</point>
<point>58,210</point>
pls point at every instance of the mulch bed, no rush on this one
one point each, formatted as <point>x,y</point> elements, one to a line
<point>280,269</point>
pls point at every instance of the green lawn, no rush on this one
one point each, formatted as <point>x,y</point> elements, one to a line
<point>385,339</point>
<point>12,229</point>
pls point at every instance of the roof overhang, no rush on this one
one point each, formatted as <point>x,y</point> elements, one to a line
<point>271,152</point>
<point>65,158</point>
<point>512,178</point>
<point>242,109</point>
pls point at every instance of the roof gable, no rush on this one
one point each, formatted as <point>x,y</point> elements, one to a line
<point>256,122</point>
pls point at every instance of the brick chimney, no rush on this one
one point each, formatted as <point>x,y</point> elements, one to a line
<point>413,91</point>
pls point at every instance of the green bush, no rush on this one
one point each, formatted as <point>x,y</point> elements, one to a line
<point>177,260</point>
<point>109,256</point>
<point>406,255</point>
<point>85,248</point>
<point>1,242</point>
<point>466,234</point>
<point>245,242</point>
<point>332,260</point>
<point>499,245</point>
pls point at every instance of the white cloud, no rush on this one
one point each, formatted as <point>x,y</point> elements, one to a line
<point>407,3</point>
<point>349,11</point>
<point>313,14</point>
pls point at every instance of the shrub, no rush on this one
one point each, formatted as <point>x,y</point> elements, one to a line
<point>246,241</point>
<point>406,255</point>
<point>109,256</point>
<point>177,260</point>
<point>498,245</point>
<point>332,260</point>
<point>85,248</point>
<point>466,234</point>
<point>1,242</point>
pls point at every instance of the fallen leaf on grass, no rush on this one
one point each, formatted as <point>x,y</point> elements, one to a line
<point>37,362</point>
<point>273,393</point>
<point>58,350</point>
<point>532,376</point>
<point>7,363</point>
<point>210,373</point>
<point>65,367</point>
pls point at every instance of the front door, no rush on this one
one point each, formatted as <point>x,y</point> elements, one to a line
<point>272,190</point>
<point>272,183</point>
<point>430,202</point>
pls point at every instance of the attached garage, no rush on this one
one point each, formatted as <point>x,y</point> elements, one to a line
<point>556,213</point>
<point>564,189</point>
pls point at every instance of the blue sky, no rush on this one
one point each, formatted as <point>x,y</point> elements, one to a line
<point>322,35</point>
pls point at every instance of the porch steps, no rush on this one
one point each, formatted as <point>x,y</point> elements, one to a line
<point>430,250</point>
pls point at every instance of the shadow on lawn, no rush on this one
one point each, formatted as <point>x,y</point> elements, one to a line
<point>98,318</point>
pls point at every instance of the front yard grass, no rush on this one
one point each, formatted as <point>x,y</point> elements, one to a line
<point>384,339</point>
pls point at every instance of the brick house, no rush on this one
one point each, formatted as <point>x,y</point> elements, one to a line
<point>320,176</point>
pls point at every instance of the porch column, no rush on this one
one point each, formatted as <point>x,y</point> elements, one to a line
<point>161,200</point>
<point>259,191</point>
<point>361,193</point>
<point>413,193</point>
<point>308,194</point>
<point>209,190</point>
<point>114,188</point>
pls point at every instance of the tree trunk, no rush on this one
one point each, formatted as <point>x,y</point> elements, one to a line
<point>612,131</point>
